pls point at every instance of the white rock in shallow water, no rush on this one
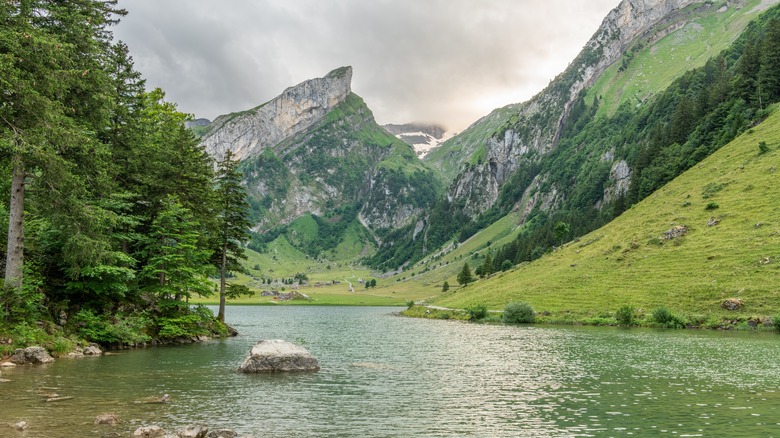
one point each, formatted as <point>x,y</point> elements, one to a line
<point>276,355</point>
<point>149,432</point>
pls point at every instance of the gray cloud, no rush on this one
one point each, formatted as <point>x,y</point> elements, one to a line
<point>446,61</point>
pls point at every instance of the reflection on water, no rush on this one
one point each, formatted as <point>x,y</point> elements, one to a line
<point>388,376</point>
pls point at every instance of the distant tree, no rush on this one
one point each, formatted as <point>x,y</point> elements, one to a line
<point>769,73</point>
<point>506,265</point>
<point>487,266</point>
<point>561,231</point>
<point>373,282</point>
<point>465,277</point>
<point>445,287</point>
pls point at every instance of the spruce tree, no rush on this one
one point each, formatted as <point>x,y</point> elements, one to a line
<point>465,277</point>
<point>232,223</point>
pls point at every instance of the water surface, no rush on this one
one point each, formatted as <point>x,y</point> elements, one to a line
<point>383,375</point>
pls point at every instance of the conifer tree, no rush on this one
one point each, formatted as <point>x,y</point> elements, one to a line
<point>232,223</point>
<point>465,277</point>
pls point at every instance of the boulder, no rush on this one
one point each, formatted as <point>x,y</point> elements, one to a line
<point>108,418</point>
<point>276,355</point>
<point>92,350</point>
<point>732,304</point>
<point>31,355</point>
<point>149,432</point>
<point>222,433</point>
<point>21,426</point>
<point>192,431</point>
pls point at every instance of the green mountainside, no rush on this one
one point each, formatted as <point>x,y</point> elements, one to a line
<point>320,186</point>
<point>711,234</point>
<point>604,162</point>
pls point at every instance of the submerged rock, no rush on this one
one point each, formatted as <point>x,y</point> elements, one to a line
<point>31,355</point>
<point>222,433</point>
<point>276,355</point>
<point>192,431</point>
<point>109,418</point>
<point>149,432</point>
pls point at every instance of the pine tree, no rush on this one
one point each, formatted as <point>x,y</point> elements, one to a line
<point>176,265</point>
<point>465,277</point>
<point>445,287</point>
<point>232,223</point>
<point>769,72</point>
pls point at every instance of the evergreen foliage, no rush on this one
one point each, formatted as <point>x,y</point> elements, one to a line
<point>464,276</point>
<point>115,212</point>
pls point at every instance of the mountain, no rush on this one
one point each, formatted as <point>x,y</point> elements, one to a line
<point>318,166</point>
<point>709,235</point>
<point>580,152</point>
<point>423,137</point>
<point>481,160</point>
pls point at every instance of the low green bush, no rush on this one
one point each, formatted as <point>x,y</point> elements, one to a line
<point>519,313</point>
<point>665,317</point>
<point>477,312</point>
<point>626,315</point>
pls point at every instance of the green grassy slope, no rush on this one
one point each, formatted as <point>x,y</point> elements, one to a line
<point>651,66</point>
<point>629,262</point>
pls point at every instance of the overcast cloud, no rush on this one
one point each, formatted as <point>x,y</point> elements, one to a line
<point>445,61</point>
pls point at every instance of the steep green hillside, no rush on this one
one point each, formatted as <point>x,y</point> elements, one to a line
<point>322,187</point>
<point>728,205</point>
<point>651,64</point>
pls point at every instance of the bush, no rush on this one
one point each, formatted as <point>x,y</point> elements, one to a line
<point>665,317</point>
<point>776,322</point>
<point>762,147</point>
<point>117,329</point>
<point>477,312</point>
<point>712,206</point>
<point>518,313</point>
<point>409,304</point>
<point>626,315</point>
<point>506,265</point>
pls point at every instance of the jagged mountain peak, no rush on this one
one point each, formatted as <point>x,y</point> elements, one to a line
<point>249,132</point>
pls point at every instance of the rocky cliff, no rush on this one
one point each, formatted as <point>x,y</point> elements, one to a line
<point>317,150</point>
<point>495,146</point>
<point>249,132</point>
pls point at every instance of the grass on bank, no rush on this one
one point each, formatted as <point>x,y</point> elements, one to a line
<point>729,205</point>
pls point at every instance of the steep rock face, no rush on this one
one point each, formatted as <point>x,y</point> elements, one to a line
<point>498,143</point>
<point>249,132</point>
<point>344,159</point>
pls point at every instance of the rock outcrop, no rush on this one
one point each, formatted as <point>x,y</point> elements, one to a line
<point>249,132</point>
<point>528,131</point>
<point>31,355</point>
<point>276,355</point>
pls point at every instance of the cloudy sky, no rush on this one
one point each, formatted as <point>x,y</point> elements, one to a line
<point>445,61</point>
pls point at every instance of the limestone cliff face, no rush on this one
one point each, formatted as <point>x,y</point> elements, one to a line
<point>528,131</point>
<point>316,149</point>
<point>249,132</point>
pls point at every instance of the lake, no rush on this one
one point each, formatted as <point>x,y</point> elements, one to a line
<point>384,375</point>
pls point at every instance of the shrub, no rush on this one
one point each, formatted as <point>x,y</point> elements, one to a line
<point>518,313</point>
<point>409,304</point>
<point>762,147</point>
<point>712,206</point>
<point>665,317</point>
<point>506,265</point>
<point>626,315</point>
<point>776,322</point>
<point>477,312</point>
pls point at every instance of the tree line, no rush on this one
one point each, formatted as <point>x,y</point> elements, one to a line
<point>115,212</point>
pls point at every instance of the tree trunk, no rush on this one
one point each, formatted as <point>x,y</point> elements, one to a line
<point>14,262</point>
<point>15,250</point>
<point>222,269</point>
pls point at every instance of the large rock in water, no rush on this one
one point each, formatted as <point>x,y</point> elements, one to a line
<point>276,355</point>
<point>31,355</point>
